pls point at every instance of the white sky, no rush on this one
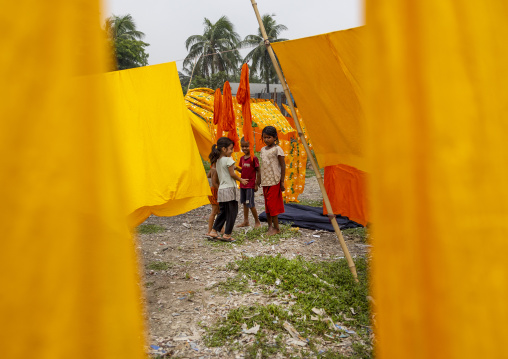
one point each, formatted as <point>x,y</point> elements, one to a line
<point>168,23</point>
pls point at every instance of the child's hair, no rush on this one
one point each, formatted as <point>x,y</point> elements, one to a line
<point>214,155</point>
<point>222,142</point>
<point>271,131</point>
<point>244,140</point>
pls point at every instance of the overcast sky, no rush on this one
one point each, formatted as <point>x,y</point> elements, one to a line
<point>168,23</point>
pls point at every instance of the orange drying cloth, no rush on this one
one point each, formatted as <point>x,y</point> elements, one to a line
<point>213,197</point>
<point>228,115</point>
<point>345,186</point>
<point>217,113</point>
<point>243,98</point>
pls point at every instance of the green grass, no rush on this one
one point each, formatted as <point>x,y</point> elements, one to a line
<point>259,234</point>
<point>158,266</point>
<point>310,172</point>
<point>324,285</point>
<point>150,228</point>
<point>206,164</point>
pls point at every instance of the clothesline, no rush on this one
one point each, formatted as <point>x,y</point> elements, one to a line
<point>216,53</point>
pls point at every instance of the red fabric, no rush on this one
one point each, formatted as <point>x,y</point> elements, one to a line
<point>243,98</point>
<point>274,205</point>
<point>213,197</point>
<point>346,188</point>
<point>217,113</point>
<point>228,116</point>
<point>249,170</point>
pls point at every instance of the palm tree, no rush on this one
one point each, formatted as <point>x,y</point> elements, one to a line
<point>215,50</point>
<point>123,27</point>
<point>260,58</point>
<point>126,42</point>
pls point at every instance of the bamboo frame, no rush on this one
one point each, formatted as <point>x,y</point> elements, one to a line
<point>313,162</point>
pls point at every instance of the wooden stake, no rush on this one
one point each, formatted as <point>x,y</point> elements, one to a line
<point>313,162</point>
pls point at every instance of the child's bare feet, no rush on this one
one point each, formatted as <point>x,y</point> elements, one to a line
<point>244,224</point>
<point>257,224</point>
<point>272,231</point>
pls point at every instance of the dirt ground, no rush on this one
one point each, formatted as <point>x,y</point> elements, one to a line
<point>177,301</point>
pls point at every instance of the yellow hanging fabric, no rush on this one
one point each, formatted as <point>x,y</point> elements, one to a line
<point>437,146</point>
<point>68,268</point>
<point>323,73</point>
<point>160,160</point>
<point>202,135</point>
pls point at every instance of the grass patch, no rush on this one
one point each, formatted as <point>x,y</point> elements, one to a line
<point>301,285</point>
<point>150,228</point>
<point>311,202</point>
<point>158,266</point>
<point>259,234</point>
<point>358,233</point>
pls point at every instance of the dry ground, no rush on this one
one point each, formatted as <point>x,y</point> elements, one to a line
<point>180,264</point>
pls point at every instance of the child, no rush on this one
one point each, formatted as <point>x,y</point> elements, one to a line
<point>214,185</point>
<point>249,168</point>
<point>273,171</point>
<point>226,194</point>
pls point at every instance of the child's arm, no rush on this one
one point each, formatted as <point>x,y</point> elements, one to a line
<point>258,179</point>
<point>239,169</point>
<point>215,179</point>
<point>282,172</point>
<point>232,173</point>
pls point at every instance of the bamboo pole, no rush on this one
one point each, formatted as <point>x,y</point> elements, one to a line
<point>315,166</point>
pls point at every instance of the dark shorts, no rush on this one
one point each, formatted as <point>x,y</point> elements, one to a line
<point>247,197</point>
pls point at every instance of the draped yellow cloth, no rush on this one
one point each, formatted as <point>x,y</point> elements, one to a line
<point>67,260</point>
<point>323,73</point>
<point>438,122</point>
<point>202,135</point>
<point>163,172</point>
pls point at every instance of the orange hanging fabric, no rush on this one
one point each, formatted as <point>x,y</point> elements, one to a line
<point>243,98</point>
<point>346,189</point>
<point>228,115</point>
<point>217,112</point>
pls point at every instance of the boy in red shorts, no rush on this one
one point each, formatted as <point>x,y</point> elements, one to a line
<point>249,168</point>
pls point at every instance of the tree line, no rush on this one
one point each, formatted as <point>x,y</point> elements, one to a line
<point>213,56</point>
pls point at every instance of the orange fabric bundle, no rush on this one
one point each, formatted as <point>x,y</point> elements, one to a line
<point>217,113</point>
<point>345,186</point>
<point>228,115</point>
<point>243,98</point>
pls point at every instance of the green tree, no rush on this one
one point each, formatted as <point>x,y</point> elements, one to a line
<point>214,81</point>
<point>126,41</point>
<point>215,50</point>
<point>261,61</point>
<point>184,81</point>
